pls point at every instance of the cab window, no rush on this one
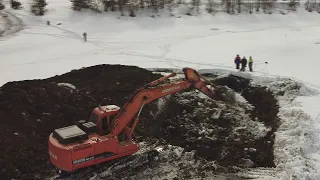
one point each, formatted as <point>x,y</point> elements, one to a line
<point>104,124</point>
<point>112,117</point>
<point>94,118</point>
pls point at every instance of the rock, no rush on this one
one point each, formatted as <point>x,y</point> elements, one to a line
<point>246,163</point>
<point>17,173</point>
<point>216,114</point>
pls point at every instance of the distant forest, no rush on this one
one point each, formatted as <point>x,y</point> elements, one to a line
<point>191,7</point>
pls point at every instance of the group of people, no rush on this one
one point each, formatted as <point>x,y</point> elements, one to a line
<point>243,63</point>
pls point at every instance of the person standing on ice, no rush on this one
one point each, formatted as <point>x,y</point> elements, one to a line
<point>250,63</point>
<point>243,63</point>
<point>237,61</point>
<point>85,36</point>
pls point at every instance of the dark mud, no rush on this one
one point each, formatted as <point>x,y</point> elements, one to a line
<point>189,124</point>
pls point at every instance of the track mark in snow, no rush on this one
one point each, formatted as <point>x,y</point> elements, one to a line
<point>171,60</point>
<point>24,47</point>
<point>71,33</point>
<point>50,34</point>
<point>12,24</point>
<point>57,58</point>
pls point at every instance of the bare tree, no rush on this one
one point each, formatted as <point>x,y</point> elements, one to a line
<point>2,6</point>
<point>121,4</point>
<point>250,6</point>
<point>170,5</point>
<point>132,7</point>
<point>131,10</point>
<point>142,4</point>
<point>233,2</point>
<point>210,6</point>
<point>267,5</point>
<point>112,5</point>
<point>258,5</point>
<point>108,4</point>
<point>161,4</point>
<point>197,4</point>
<point>228,6</point>
<point>239,5</point>
<point>310,5</point>
<point>293,5</point>
<point>318,7</point>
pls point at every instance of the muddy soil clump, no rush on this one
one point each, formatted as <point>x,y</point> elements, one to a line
<point>30,110</point>
<point>238,134</point>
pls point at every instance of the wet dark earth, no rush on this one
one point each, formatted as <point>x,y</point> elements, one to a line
<point>198,129</point>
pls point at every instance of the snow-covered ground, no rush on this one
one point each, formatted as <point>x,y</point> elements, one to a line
<point>289,43</point>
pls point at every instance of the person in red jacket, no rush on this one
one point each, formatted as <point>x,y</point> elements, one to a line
<point>237,61</point>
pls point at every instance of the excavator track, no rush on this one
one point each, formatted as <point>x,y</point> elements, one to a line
<point>135,162</point>
<point>116,169</point>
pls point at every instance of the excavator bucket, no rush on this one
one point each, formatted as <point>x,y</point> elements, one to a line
<point>216,92</point>
<point>225,93</point>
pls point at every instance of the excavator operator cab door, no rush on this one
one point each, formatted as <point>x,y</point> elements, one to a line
<point>103,116</point>
<point>105,123</point>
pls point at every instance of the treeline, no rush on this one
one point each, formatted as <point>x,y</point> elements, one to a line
<point>37,6</point>
<point>193,7</point>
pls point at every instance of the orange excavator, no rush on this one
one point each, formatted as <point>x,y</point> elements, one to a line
<point>108,133</point>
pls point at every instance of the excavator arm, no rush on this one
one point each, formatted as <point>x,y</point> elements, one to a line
<point>156,90</point>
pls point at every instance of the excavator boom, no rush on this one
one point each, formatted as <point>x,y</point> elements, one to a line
<point>156,90</point>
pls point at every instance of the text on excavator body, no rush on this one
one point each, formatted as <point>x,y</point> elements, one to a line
<point>53,155</point>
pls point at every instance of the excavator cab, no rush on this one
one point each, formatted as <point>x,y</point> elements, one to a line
<point>102,116</point>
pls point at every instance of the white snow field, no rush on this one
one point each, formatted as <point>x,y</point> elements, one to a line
<point>289,43</point>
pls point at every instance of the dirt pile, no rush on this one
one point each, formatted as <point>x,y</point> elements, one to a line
<point>238,134</point>
<point>31,110</point>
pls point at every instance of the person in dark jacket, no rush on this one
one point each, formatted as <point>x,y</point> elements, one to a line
<point>85,36</point>
<point>237,61</point>
<point>243,63</point>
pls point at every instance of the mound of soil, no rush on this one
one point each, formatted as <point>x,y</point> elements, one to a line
<point>30,110</point>
<point>238,134</point>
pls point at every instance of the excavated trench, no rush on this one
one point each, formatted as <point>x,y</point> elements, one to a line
<point>238,134</point>
<point>220,131</point>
